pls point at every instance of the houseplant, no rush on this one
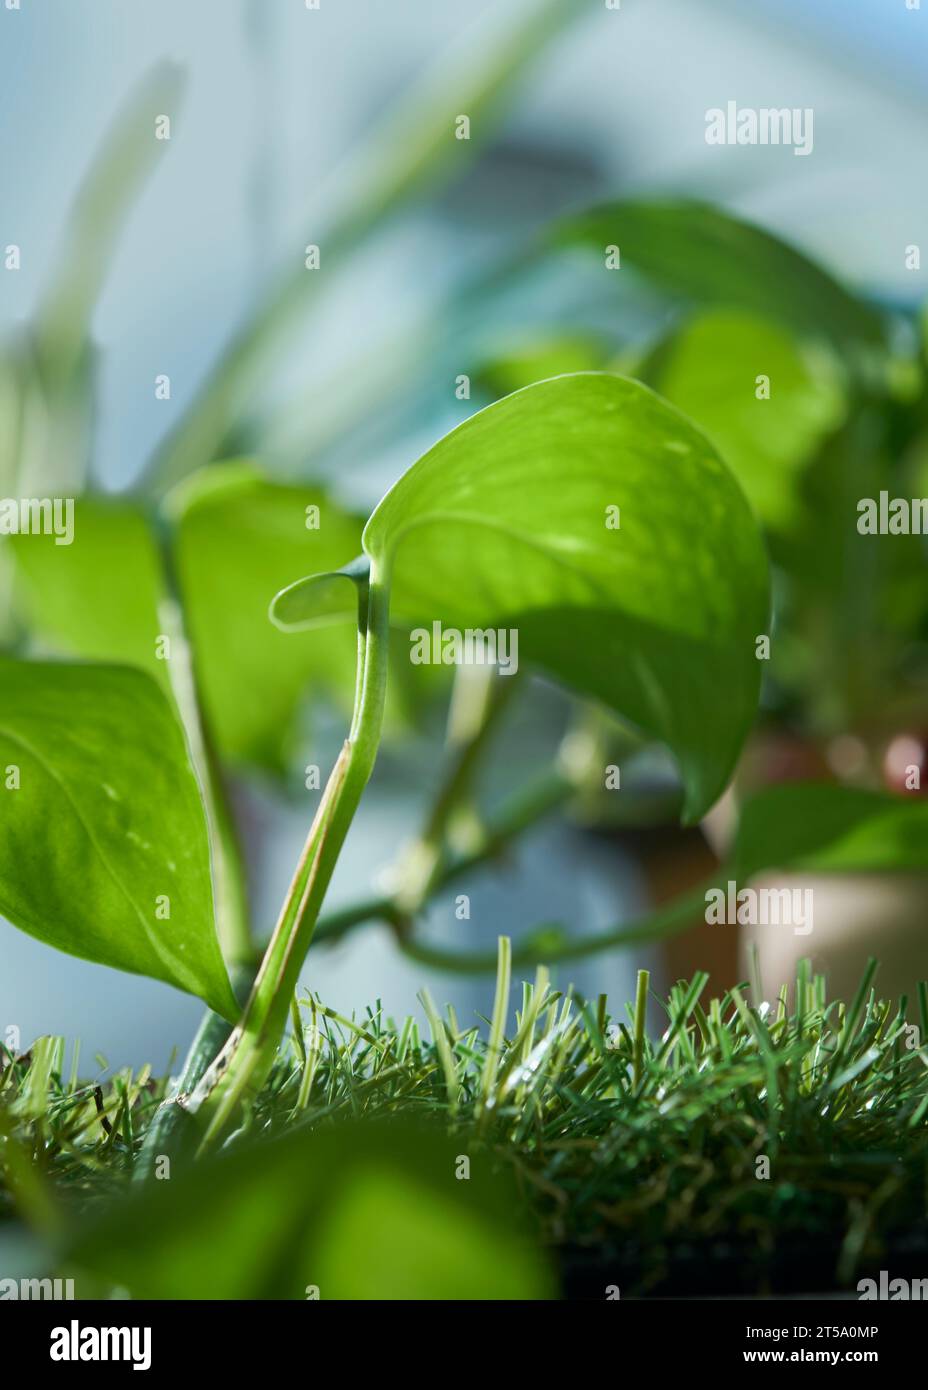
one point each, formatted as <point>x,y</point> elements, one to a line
<point>101,791</point>
<point>651,600</point>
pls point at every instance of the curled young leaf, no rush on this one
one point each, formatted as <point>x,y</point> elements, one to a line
<point>320,599</point>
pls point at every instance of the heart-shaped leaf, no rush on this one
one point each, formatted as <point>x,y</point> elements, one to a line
<point>103,847</point>
<point>361,1211</point>
<point>711,257</point>
<point>822,828</point>
<point>591,519</point>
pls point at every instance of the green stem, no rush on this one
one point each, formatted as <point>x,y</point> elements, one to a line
<point>240,1070</point>
<point>225,853</point>
<point>526,808</point>
<point>667,921</point>
<point>172,1127</point>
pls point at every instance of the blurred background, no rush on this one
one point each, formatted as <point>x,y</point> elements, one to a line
<point>285,113</point>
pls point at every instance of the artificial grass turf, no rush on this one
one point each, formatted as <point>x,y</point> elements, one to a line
<point>746,1147</point>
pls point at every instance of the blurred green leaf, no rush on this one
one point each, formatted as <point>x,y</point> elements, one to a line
<point>505,523</point>
<point>703,254</point>
<point>45,425</point>
<point>709,369</point>
<point>103,847</point>
<point>107,193</point>
<point>11,404</point>
<point>412,148</point>
<point>97,597</point>
<point>824,828</point>
<point>361,1211</point>
<point>11,398</point>
<point>854,606</point>
<point>545,357</point>
<point>239,540</point>
<point>48,371</point>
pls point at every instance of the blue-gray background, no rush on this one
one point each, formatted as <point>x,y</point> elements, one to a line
<point>277,97</point>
